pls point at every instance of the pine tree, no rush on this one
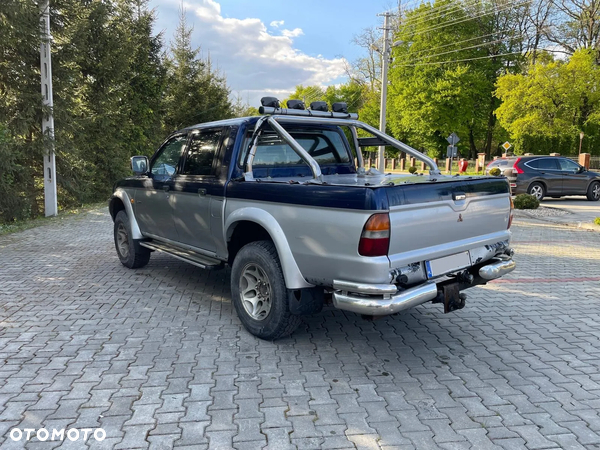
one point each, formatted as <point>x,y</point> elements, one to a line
<point>194,92</point>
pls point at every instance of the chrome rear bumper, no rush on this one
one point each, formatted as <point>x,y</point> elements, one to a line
<point>385,299</point>
<point>497,269</point>
<point>373,306</point>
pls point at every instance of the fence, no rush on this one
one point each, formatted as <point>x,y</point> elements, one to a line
<point>402,165</point>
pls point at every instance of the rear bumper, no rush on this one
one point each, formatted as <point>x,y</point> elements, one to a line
<point>385,299</point>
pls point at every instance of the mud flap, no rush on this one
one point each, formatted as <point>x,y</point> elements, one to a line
<point>306,301</point>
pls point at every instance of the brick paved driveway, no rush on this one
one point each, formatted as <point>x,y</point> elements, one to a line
<point>158,358</point>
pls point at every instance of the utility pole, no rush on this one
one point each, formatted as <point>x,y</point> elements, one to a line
<point>385,55</point>
<point>50,200</point>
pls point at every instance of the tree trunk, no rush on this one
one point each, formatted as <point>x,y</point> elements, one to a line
<point>472,147</point>
<point>490,129</point>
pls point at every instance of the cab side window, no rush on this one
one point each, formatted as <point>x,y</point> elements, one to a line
<point>165,164</point>
<point>201,153</point>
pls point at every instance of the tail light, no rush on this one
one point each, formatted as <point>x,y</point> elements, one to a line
<point>375,237</point>
<point>516,168</point>
<point>510,217</point>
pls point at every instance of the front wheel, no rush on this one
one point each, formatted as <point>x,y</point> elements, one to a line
<point>259,294</point>
<point>537,190</point>
<point>130,253</point>
<point>593,193</point>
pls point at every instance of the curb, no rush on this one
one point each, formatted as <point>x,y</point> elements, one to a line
<point>584,225</point>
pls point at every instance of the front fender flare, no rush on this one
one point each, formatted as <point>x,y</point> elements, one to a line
<point>291,272</point>
<point>126,200</point>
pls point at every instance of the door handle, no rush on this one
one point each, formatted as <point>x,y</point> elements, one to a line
<point>166,188</point>
<point>202,192</point>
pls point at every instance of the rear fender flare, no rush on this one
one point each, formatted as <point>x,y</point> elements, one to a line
<point>126,200</point>
<point>291,272</point>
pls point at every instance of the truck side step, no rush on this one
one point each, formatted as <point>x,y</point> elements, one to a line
<point>197,259</point>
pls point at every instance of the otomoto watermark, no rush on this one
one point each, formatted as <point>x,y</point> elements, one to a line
<point>72,434</point>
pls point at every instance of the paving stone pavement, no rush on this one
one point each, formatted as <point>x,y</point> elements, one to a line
<point>158,359</point>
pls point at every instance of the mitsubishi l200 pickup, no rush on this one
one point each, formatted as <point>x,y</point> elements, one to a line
<point>286,201</point>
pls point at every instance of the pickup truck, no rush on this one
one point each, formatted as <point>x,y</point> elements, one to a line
<point>286,201</point>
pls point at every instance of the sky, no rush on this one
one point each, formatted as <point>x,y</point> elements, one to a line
<point>267,47</point>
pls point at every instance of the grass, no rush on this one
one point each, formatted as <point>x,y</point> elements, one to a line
<point>21,225</point>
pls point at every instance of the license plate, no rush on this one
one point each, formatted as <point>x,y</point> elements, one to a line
<point>447,264</point>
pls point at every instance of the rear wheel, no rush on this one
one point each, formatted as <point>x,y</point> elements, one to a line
<point>593,192</point>
<point>259,294</point>
<point>130,253</point>
<point>537,190</point>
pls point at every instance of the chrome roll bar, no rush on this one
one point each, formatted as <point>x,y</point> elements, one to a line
<point>273,121</point>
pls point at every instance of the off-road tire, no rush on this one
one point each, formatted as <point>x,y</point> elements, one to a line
<point>278,322</point>
<point>132,255</point>
<point>537,190</point>
<point>593,192</point>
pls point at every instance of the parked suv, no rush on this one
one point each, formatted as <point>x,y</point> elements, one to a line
<point>553,176</point>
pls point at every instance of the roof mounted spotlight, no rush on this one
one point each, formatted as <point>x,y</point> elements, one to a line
<point>271,102</point>
<point>295,104</point>
<point>340,107</point>
<point>319,106</point>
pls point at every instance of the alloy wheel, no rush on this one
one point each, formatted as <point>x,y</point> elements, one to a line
<point>537,192</point>
<point>255,290</point>
<point>596,192</point>
<point>122,240</point>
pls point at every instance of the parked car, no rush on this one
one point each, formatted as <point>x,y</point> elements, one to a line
<point>553,176</point>
<point>286,201</point>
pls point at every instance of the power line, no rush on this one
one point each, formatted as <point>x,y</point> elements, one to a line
<point>459,60</point>
<point>495,11</point>
<point>460,42</point>
<point>435,13</point>
<point>467,48</point>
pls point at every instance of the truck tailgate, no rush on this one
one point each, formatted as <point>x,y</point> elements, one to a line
<point>432,220</point>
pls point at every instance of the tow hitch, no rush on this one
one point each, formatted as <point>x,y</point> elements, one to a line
<point>451,297</point>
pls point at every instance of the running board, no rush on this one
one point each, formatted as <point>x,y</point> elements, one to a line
<point>205,262</point>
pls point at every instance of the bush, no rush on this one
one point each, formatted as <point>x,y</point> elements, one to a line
<point>597,220</point>
<point>412,169</point>
<point>495,172</point>
<point>526,201</point>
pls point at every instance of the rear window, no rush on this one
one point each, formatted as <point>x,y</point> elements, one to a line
<point>325,146</point>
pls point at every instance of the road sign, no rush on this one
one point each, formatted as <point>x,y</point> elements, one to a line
<point>453,139</point>
<point>506,145</point>
<point>452,151</point>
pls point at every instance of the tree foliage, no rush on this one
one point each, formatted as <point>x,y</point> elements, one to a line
<point>117,92</point>
<point>545,109</point>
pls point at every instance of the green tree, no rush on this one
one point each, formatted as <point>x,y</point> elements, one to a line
<point>351,93</point>
<point>195,93</point>
<point>547,107</point>
<point>21,144</point>
<point>442,78</point>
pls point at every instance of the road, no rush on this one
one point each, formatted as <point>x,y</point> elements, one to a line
<point>158,358</point>
<point>581,207</point>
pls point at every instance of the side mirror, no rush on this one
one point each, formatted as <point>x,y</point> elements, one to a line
<point>139,164</point>
<point>581,169</point>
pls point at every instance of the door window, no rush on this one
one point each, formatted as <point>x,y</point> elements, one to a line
<point>567,165</point>
<point>547,164</point>
<point>202,152</point>
<point>165,164</point>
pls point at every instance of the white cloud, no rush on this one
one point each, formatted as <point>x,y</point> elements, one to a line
<point>277,23</point>
<point>253,60</point>
<point>292,33</point>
